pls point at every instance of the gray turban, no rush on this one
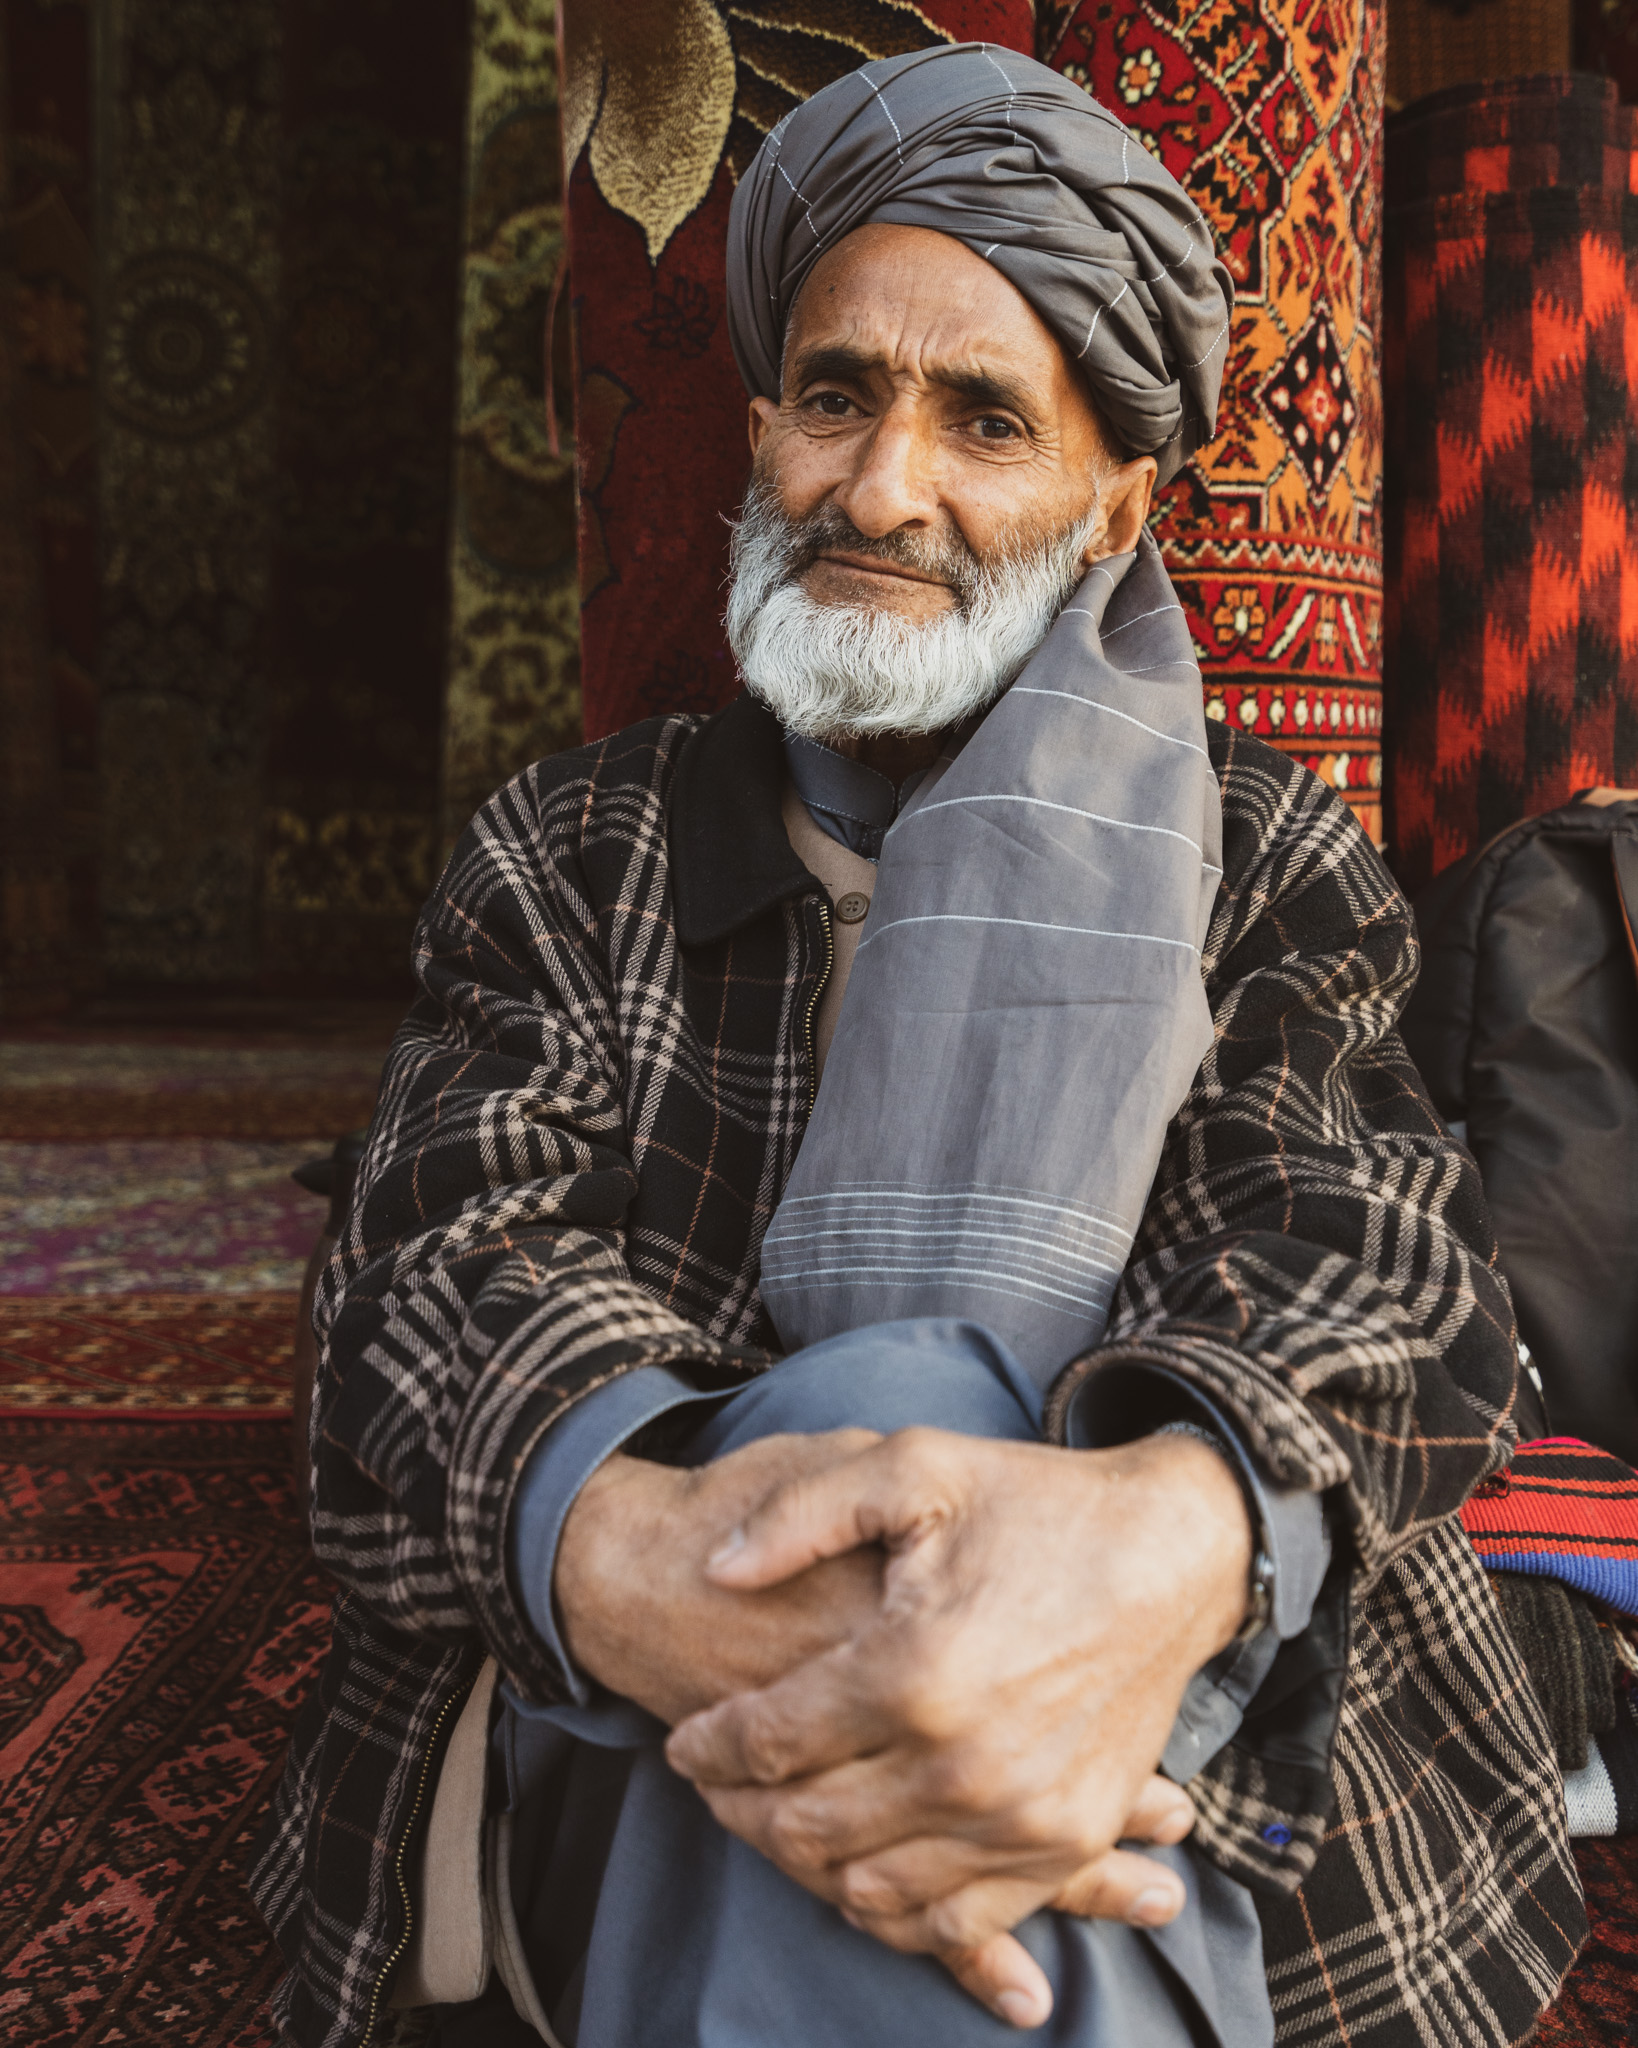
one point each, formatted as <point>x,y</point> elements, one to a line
<point>1028,171</point>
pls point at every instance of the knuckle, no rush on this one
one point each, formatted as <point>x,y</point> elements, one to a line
<point>871,1891</point>
<point>961,1781</point>
<point>797,1837</point>
<point>955,1923</point>
<point>1038,1822</point>
<point>765,1747</point>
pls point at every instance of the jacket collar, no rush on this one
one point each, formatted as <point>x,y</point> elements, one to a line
<point>730,857</point>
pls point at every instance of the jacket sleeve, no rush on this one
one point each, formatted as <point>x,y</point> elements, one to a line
<point>1316,1257</point>
<point>482,1286</point>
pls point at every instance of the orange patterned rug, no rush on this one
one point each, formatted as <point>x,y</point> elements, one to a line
<point>160,1356</point>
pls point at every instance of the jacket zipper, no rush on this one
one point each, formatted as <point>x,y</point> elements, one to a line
<point>813,1003</point>
<point>458,1699</point>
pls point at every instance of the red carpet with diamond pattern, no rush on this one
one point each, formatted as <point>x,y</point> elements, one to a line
<point>161,1619</point>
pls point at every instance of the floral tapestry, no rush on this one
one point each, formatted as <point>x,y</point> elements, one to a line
<point>1269,113</point>
<point>513,691</point>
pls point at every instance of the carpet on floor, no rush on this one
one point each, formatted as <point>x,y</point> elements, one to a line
<point>226,1356</point>
<point>177,1215</point>
<point>161,1620</point>
<point>1598,2007</point>
<point>149,1089</point>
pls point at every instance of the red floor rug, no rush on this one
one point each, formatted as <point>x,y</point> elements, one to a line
<point>160,1621</point>
<point>1599,2005</point>
<point>147,1354</point>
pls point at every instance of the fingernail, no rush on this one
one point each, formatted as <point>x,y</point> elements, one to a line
<point>1019,2008</point>
<point>1154,1907</point>
<point>730,1546</point>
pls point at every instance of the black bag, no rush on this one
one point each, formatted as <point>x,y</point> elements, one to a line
<point>1525,1026</point>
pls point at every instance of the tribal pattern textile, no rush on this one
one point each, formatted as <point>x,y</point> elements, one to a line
<point>586,1123</point>
<point>369,243</point>
<point>187,162</point>
<point>1566,1510</point>
<point>160,1618</point>
<point>65,1091</point>
<point>182,1215</point>
<point>1512,629</point>
<point>513,691</point>
<point>1268,111</point>
<point>147,1354</point>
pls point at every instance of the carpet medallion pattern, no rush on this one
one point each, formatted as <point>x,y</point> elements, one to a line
<point>160,1623</point>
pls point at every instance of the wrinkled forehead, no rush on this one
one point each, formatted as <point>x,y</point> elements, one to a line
<point>917,304</point>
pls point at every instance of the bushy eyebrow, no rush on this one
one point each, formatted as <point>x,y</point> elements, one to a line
<point>839,363</point>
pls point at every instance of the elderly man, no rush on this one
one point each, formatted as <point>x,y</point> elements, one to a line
<point>895,1398</point>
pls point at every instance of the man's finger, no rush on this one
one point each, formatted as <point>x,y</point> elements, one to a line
<point>1003,1975</point>
<point>822,1714</point>
<point>967,1920</point>
<point>1164,1814</point>
<point>1123,1885</point>
<point>824,1822</point>
<point>876,1497</point>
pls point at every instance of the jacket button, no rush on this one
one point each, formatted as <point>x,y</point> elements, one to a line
<point>851,908</point>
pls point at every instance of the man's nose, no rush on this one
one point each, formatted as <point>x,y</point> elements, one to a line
<point>893,483</point>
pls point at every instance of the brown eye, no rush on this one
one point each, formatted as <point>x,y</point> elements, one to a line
<point>832,404</point>
<point>993,428</point>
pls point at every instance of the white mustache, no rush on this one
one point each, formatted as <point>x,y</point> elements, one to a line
<point>829,669</point>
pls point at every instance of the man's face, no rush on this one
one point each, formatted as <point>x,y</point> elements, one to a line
<point>928,403</point>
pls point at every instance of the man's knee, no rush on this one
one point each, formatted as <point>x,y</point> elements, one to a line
<point>925,1373</point>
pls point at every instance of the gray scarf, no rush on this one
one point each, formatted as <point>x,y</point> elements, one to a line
<point>1026,1010</point>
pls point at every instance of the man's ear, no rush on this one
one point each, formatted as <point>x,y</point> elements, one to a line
<point>1126,492</point>
<point>763,414</point>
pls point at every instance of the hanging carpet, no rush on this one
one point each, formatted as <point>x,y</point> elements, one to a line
<point>1512,463</point>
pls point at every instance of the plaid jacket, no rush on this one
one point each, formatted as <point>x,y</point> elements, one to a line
<point>585,1124</point>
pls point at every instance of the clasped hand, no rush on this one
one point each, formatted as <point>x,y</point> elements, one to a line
<point>928,1675</point>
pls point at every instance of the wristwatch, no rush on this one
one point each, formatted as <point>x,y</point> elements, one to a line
<point>1260,1602</point>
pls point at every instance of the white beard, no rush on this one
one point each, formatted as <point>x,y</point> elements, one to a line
<point>828,669</point>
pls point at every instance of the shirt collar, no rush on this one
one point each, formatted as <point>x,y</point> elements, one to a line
<point>731,858</point>
<point>844,798</point>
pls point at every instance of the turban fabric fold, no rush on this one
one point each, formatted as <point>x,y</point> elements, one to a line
<point>1031,173</point>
